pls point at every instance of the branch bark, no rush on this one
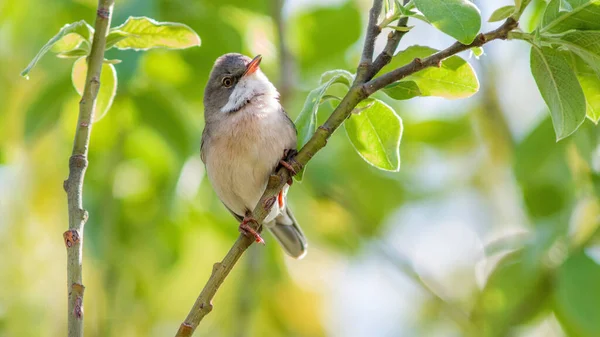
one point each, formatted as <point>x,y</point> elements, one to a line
<point>73,237</point>
<point>362,88</point>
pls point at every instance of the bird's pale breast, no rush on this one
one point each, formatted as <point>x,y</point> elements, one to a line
<point>244,149</point>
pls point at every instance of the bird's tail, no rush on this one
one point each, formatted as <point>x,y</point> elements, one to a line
<point>289,235</point>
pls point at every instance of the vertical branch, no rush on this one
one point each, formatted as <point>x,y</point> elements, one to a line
<point>77,165</point>
<point>369,47</point>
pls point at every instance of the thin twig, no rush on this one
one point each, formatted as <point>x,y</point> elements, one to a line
<point>387,53</point>
<point>77,166</point>
<point>436,59</point>
<point>359,91</point>
<point>373,31</point>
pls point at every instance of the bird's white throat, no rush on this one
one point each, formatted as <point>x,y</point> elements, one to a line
<point>247,88</point>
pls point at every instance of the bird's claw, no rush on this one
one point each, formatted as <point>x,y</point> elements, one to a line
<point>288,158</point>
<point>249,231</point>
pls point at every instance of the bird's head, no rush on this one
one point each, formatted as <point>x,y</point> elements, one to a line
<point>234,81</point>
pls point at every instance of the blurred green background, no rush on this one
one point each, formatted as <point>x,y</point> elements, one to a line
<point>489,229</point>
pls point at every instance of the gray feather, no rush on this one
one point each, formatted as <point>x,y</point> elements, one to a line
<point>286,230</point>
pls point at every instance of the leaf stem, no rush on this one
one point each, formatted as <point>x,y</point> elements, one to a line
<point>77,165</point>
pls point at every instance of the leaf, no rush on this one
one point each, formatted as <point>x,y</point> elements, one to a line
<point>341,75</point>
<point>501,13</point>
<point>108,86</point>
<point>306,122</point>
<point>583,15</point>
<point>457,18</point>
<point>477,52</point>
<point>401,28</point>
<point>454,79</point>
<point>577,295</point>
<point>586,44</point>
<point>560,89</point>
<point>114,36</point>
<point>590,83</point>
<point>143,33</point>
<point>402,90</point>
<point>375,133</point>
<point>514,292</point>
<point>81,28</point>
<point>75,53</point>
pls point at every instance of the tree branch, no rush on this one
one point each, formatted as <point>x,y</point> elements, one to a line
<point>360,90</point>
<point>435,59</point>
<point>388,51</point>
<point>373,31</point>
<point>77,166</point>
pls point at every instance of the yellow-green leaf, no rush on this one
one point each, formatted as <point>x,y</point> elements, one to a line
<point>402,90</point>
<point>143,33</point>
<point>454,79</point>
<point>108,85</point>
<point>75,33</point>
<point>501,13</point>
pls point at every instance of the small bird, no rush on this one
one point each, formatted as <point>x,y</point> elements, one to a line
<point>247,135</point>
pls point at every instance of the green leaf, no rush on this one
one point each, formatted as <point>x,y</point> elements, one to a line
<point>514,292</point>
<point>340,75</point>
<point>375,133</point>
<point>576,14</point>
<point>108,85</point>
<point>400,28</point>
<point>113,37</point>
<point>306,122</point>
<point>586,44</point>
<point>560,89</point>
<point>75,53</point>
<point>457,18</point>
<point>501,13</point>
<point>144,33</point>
<point>577,296</point>
<point>590,83</point>
<point>454,79</point>
<point>402,90</point>
<point>477,52</point>
<point>79,28</point>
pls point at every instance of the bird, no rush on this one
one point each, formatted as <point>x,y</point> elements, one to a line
<point>247,135</point>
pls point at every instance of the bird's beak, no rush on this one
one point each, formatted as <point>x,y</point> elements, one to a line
<point>252,66</point>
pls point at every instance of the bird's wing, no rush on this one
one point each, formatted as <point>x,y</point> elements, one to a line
<point>289,120</point>
<point>202,142</point>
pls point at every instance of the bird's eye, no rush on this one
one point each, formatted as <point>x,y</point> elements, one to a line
<point>227,82</point>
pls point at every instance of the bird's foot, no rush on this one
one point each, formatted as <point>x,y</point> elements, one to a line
<point>248,230</point>
<point>288,158</point>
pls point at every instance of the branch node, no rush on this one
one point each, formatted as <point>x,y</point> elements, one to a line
<point>268,203</point>
<point>66,185</point>
<point>216,267</point>
<point>418,61</point>
<point>78,308</point>
<point>439,64</point>
<point>77,161</point>
<point>71,238</point>
<point>103,13</point>
<point>84,124</point>
<point>185,329</point>
<point>325,128</point>
<point>482,38</point>
<point>84,215</point>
